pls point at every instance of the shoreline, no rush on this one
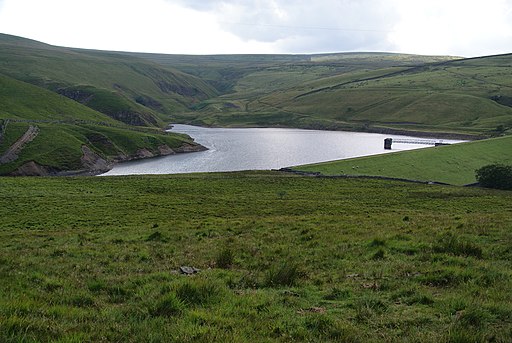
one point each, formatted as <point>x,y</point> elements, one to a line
<point>95,165</point>
<point>98,165</point>
<point>378,130</point>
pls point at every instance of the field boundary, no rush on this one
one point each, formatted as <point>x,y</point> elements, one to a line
<point>373,177</point>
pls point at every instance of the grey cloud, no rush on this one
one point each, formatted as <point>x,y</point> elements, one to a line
<point>305,26</point>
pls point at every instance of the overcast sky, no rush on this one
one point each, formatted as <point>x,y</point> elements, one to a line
<point>435,27</point>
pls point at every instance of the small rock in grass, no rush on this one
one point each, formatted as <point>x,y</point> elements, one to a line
<point>188,270</point>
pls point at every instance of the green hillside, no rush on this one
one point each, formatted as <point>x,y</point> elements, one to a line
<point>454,164</point>
<point>21,100</point>
<point>470,94</point>
<point>66,136</point>
<point>377,92</point>
<point>356,91</point>
<point>132,90</point>
<point>365,92</point>
<point>225,71</point>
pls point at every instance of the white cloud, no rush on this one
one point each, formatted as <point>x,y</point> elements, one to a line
<point>129,25</point>
<point>306,26</point>
<point>455,27</point>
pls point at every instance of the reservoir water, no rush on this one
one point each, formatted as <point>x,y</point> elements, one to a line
<point>261,149</point>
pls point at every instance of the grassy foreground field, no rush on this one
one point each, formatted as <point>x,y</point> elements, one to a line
<point>281,258</point>
<point>455,164</point>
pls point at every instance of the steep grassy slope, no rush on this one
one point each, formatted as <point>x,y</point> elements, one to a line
<point>21,100</point>
<point>68,136</point>
<point>67,149</point>
<point>281,259</point>
<point>455,164</point>
<point>132,90</point>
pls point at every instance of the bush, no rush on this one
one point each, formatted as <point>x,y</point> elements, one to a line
<point>497,176</point>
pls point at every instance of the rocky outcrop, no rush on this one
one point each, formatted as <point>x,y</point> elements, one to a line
<point>190,148</point>
<point>149,102</point>
<point>143,153</point>
<point>131,117</point>
<point>79,95</point>
<point>31,168</point>
<point>502,100</point>
<point>94,163</point>
<point>167,87</point>
<point>163,150</point>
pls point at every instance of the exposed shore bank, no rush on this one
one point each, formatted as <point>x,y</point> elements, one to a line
<point>94,164</point>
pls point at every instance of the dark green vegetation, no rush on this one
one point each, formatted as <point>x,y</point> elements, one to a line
<point>281,258</point>
<point>497,176</point>
<point>379,92</point>
<point>454,164</point>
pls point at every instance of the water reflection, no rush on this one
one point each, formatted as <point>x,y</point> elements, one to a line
<point>260,149</point>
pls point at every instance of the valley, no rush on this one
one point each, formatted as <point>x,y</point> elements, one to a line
<point>117,96</point>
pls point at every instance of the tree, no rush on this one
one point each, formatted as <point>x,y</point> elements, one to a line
<point>497,176</point>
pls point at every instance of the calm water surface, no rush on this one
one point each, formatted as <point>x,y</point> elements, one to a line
<point>260,149</point>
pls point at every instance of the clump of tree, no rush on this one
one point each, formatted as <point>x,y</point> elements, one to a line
<point>497,176</point>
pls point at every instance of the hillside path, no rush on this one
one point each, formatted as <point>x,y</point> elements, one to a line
<point>12,153</point>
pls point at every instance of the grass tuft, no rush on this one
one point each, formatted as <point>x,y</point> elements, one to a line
<point>285,274</point>
<point>169,306</point>
<point>156,236</point>
<point>473,317</point>
<point>337,294</point>
<point>379,255</point>
<point>198,292</point>
<point>377,242</point>
<point>224,258</point>
<point>452,244</point>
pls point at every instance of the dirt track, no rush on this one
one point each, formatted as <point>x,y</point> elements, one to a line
<point>12,153</point>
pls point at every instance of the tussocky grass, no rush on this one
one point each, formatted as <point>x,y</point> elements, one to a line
<point>97,259</point>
